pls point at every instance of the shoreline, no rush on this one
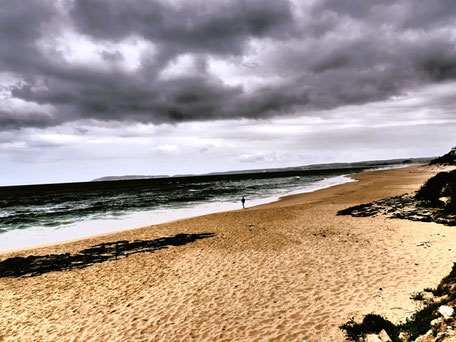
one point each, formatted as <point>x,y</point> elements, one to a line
<point>313,187</point>
<point>196,211</point>
<point>287,271</point>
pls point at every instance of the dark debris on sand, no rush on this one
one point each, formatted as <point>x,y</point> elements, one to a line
<point>434,202</point>
<point>36,265</point>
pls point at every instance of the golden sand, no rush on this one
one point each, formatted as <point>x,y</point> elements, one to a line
<point>286,271</point>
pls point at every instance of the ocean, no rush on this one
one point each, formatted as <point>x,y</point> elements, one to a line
<point>40,214</point>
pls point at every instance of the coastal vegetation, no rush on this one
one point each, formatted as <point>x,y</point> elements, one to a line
<point>447,159</point>
<point>439,192</point>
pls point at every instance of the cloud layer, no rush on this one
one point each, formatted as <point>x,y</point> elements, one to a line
<point>177,61</point>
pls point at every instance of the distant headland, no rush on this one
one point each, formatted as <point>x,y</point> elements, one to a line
<point>332,166</point>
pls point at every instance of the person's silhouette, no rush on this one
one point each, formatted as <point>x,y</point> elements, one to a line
<point>243,201</point>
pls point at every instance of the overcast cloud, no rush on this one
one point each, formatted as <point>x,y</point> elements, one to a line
<point>171,84</point>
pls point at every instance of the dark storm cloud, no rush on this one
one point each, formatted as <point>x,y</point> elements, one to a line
<point>21,25</point>
<point>123,97</point>
<point>221,27</point>
<point>338,52</point>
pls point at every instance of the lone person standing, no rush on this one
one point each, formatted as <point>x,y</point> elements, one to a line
<point>243,201</point>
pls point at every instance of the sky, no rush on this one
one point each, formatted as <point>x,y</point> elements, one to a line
<point>95,88</point>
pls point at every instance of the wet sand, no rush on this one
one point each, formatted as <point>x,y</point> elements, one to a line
<point>286,271</point>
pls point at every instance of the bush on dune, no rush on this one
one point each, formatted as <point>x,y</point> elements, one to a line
<point>448,285</point>
<point>446,159</point>
<point>371,324</point>
<point>441,185</point>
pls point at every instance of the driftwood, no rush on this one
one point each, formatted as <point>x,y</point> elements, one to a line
<point>36,265</point>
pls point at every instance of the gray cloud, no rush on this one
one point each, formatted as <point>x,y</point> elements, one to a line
<point>331,54</point>
<point>111,56</point>
<point>21,26</point>
<point>223,28</point>
<point>403,14</point>
<point>12,119</point>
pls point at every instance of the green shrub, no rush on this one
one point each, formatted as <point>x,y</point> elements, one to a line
<point>371,324</point>
<point>442,184</point>
<point>419,323</point>
<point>446,285</point>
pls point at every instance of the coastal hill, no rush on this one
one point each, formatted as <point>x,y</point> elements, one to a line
<point>126,177</point>
<point>327,166</point>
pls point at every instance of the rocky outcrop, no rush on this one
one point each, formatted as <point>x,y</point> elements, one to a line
<point>402,207</point>
<point>441,329</point>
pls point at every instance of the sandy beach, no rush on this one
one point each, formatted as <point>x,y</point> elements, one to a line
<point>286,271</point>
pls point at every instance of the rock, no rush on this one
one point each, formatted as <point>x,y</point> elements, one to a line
<point>428,337</point>
<point>384,336</point>
<point>406,207</point>
<point>436,322</point>
<point>446,311</point>
<point>417,295</point>
<point>403,336</point>
<point>445,199</point>
<point>372,338</point>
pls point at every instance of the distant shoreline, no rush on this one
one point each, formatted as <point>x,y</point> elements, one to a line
<point>311,167</point>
